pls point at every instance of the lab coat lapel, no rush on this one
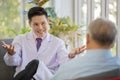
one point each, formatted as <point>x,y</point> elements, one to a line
<point>44,45</point>
<point>31,42</point>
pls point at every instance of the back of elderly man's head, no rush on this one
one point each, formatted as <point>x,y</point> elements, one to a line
<point>102,31</point>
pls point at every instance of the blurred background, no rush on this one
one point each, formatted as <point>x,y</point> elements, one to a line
<point>71,16</point>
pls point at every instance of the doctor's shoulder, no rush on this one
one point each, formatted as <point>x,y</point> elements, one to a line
<point>56,39</point>
<point>20,37</point>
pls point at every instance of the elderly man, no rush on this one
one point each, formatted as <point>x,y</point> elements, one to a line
<point>101,34</point>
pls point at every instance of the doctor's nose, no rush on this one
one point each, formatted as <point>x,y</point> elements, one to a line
<point>40,27</point>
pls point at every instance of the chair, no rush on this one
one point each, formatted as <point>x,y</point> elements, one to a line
<point>108,75</point>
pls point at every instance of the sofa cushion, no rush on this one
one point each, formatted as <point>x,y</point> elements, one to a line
<point>6,72</point>
<point>115,73</point>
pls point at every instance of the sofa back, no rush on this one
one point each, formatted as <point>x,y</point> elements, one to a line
<point>6,72</point>
<point>108,75</point>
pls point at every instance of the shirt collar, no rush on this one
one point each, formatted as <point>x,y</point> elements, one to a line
<point>99,52</point>
<point>37,37</point>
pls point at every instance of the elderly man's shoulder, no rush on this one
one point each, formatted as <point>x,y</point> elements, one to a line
<point>117,59</point>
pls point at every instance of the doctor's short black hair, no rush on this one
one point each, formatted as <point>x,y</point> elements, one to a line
<point>36,11</point>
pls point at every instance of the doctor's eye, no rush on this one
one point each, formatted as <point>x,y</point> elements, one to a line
<point>36,24</point>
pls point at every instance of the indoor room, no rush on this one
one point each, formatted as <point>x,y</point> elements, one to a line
<point>59,40</point>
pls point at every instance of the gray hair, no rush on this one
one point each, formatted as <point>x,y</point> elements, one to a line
<point>103,31</point>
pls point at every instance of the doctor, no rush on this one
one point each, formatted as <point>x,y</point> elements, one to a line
<point>37,44</point>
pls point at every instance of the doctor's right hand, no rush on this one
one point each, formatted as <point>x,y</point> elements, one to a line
<point>9,48</point>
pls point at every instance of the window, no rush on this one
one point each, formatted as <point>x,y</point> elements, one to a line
<point>99,8</point>
<point>10,18</point>
<point>113,10</point>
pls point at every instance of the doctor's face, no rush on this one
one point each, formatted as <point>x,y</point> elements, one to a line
<point>39,25</point>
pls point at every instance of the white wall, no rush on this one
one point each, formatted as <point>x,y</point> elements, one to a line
<point>64,8</point>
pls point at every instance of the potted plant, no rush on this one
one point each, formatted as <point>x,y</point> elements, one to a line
<point>64,27</point>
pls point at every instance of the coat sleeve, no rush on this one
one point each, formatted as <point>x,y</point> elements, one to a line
<point>16,59</point>
<point>62,53</point>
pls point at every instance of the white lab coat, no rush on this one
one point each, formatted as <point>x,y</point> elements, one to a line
<point>51,54</point>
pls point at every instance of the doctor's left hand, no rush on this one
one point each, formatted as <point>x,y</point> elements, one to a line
<point>76,51</point>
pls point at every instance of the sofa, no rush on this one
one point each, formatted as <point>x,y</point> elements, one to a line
<point>6,72</point>
<point>108,75</point>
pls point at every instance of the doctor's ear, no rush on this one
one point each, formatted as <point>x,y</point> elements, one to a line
<point>48,20</point>
<point>29,23</point>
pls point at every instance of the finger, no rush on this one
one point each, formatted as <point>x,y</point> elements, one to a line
<point>78,51</point>
<point>4,45</point>
<point>11,50</point>
<point>3,42</point>
<point>71,55</point>
<point>82,47</point>
<point>81,50</point>
<point>11,47</point>
<point>73,51</point>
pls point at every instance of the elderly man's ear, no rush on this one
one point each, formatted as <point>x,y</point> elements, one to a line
<point>87,38</point>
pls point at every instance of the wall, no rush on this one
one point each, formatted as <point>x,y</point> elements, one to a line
<point>64,8</point>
